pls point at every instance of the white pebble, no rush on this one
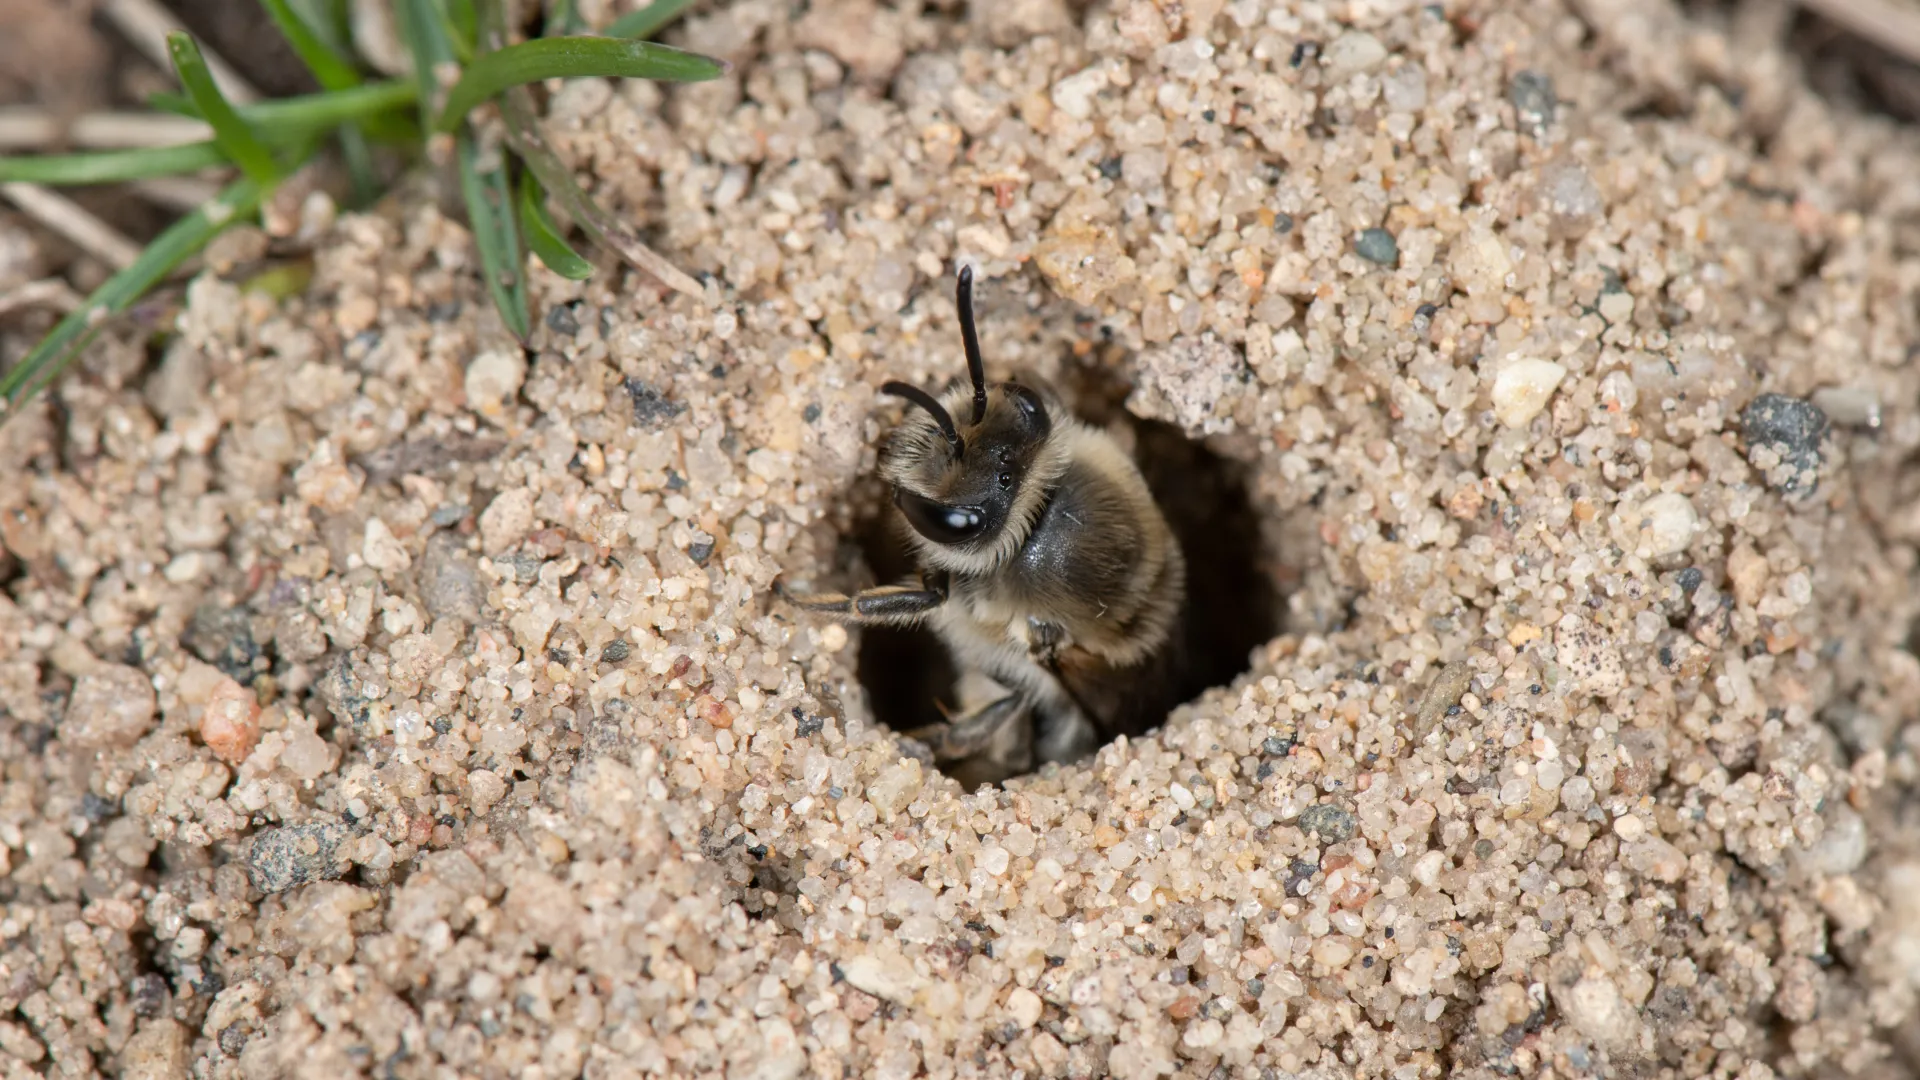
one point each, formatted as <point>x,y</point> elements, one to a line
<point>1523,388</point>
<point>1426,869</point>
<point>994,859</point>
<point>1073,95</point>
<point>1596,1010</point>
<point>890,978</point>
<point>382,550</point>
<point>1849,406</point>
<point>493,379</point>
<point>1668,520</point>
<point>1024,1006</point>
<point>1202,1034</point>
<point>1352,53</point>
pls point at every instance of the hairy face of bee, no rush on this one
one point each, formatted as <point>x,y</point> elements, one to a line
<point>962,494</point>
<point>969,490</point>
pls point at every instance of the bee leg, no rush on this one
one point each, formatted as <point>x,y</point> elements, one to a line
<point>1063,735</point>
<point>1044,640</point>
<point>886,605</point>
<point>970,733</point>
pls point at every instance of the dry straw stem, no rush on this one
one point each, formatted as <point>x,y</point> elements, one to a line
<point>1891,24</point>
<point>65,217</point>
<point>54,293</point>
<point>29,127</point>
<point>182,193</point>
<point>525,136</point>
<point>146,25</point>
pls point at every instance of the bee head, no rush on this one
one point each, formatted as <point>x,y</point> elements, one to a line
<point>964,468</point>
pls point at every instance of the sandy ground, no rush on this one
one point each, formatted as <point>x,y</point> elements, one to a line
<point>381,699</point>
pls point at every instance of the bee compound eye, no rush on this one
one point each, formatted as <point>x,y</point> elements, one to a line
<point>939,522</point>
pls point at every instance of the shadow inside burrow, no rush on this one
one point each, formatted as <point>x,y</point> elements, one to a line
<point>1233,603</point>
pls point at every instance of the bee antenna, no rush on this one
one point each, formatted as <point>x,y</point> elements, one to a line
<point>976,368</point>
<point>932,405</point>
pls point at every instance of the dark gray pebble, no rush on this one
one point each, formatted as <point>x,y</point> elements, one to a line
<point>280,858</point>
<point>1331,823</point>
<point>1532,95</point>
<point>1791,428</point>
<point>223,637</point>
<point>1378,246</point>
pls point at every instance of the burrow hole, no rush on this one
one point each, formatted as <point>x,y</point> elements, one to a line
<point>1234,604</point>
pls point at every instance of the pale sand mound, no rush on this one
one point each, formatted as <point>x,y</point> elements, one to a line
<point>1586,748</point>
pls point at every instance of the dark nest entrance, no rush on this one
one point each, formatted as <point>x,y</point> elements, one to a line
<point>1233,604</point>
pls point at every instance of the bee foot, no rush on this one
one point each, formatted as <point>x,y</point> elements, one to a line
<point>970,733</point>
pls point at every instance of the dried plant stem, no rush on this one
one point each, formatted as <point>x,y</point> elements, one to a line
<point>64,216</point>
<point>146,25</point>
<point>1890,24</point>
<point>529,140</point>
<point>29,127</point>
<point>54,293</point>
<point>180,193</point>
<point>525,136</point>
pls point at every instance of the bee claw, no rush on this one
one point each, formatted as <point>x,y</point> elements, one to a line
<point>968,734</point>
<point>918,749</point>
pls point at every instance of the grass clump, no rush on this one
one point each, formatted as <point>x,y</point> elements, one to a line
<point>462,59</point>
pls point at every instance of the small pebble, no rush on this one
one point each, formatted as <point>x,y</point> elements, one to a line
<point>493,379</point>
<point>112,705</point>
<point>280,858</point>
<point>651,408</point>
<point>1523,388</point>
<point>560,320</point>
<point>1533,99</point>
<point>230,724</point>
<point>1331,823</point>
<point>1783,439</point>
<point>223,637</point>
<point>1024,1006</point>
<point>1669,521</point>
<point>1849,406</point>
<point>1377,246</point>
<point>1350,54</point>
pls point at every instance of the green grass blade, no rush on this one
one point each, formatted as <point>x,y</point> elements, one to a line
<point>236,139</point>
<point>331,22</point>
<point>524,136</point>
<point>311,111</point>
<point>573,57</point>
<point>167,251</point>
<point>463,26</point>
<point>288,120</point>
<point>490,211</point>
<point>359,161</point>
<point>177,104</point>
<point>562,19</point>
<point>648,21</point>
<point>544,237</point>
<point>330,69</point>
<point>282,121</point>
<point>111,166</point>
<point>426,37</point>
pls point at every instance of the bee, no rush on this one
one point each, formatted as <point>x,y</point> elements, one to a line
<point>1045,564</point>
